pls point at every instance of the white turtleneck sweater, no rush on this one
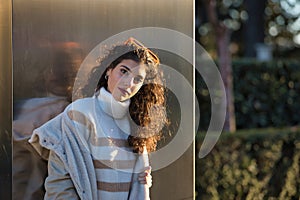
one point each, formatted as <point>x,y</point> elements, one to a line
<point>99,128</point>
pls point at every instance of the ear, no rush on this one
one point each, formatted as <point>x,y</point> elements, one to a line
<point>108,72</point>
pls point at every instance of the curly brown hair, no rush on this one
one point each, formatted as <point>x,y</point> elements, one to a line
<point>147,106</point>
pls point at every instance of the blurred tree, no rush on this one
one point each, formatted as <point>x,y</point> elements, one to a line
<point>273,22</point>
<point>254,26</point>
<point>282,27</point>
<point>222,34</point>
<point>228,28</point>
<point>231,13</point>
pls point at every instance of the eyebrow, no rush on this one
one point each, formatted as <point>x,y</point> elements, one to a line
<point>126,67</point>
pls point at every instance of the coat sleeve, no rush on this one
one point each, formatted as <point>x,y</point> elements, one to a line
<point>138,190</point>
<point>58,184</point>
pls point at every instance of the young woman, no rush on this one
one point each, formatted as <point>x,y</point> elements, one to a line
<point>99,145</point>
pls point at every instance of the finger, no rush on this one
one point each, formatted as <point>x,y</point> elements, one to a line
<point>148,169</point>
<point>146,182</point>
<point>143,182</point>
<point>145,178</point>
<point>143,174</point>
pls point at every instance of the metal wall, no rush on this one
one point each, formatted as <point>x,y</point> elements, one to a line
<point>41,28</point>
<point>5,98</point>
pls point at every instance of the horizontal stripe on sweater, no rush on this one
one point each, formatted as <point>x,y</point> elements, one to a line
<point>113,176</point>
<point>96,141</point>
<point>116,164</point>
<point>113,187</point>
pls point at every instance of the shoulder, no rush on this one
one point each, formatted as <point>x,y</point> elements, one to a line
<point>82,105</point>
<point>82,111</point>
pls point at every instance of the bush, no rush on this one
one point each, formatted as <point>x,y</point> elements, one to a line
<point>256,164</point>
<point>266,94</point>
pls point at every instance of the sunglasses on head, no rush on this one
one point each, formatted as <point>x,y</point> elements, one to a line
<point>137,44</point>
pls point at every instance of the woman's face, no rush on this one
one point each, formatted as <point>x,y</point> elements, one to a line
<point>125,80</point>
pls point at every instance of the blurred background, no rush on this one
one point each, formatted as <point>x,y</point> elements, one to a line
<point>255,44</point>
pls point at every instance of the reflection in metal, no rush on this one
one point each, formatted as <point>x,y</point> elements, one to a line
<point>52,37</point>
<point>38,26</point>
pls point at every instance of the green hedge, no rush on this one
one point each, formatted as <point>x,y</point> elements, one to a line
<point>256,164</point>
<point>266,94</point>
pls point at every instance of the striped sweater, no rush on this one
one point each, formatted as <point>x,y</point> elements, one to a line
<point>100,126</point>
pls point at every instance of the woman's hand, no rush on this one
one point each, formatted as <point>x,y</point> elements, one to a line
<point>145,177</point>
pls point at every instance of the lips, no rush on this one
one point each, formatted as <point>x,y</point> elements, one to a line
<point>124,92</point>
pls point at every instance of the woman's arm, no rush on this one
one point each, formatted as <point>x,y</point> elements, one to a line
<point>58,184</point>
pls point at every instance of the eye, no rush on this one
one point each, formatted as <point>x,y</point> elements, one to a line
<point>138,79</point>
<point>124,71</point>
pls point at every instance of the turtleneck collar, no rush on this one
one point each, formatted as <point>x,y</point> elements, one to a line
<point>109,105</point>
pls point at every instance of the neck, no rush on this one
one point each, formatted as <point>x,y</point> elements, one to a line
<point>112,107</point>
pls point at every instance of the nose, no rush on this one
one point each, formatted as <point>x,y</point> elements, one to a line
<point>129,81</point>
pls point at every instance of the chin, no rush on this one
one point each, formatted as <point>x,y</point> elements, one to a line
<point>123,99</point>
<point>120,97</point>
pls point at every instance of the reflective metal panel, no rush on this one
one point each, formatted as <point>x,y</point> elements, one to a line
<point>51,38</point>
<point>5,98</point>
